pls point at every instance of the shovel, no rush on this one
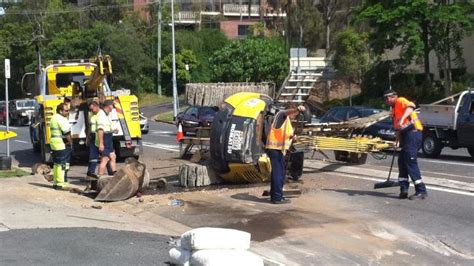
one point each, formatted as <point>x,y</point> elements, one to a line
<point>388,183</point>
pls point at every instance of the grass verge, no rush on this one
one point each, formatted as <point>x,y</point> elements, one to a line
<point>165,117</point>
<point>15,172</point>
<point>147,99</point>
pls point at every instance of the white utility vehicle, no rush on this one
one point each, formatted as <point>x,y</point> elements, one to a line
<point>448,122</point>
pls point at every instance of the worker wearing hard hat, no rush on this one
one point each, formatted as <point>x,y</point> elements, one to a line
<point>277,143</point>
<point>61,145</point>
<point>104,138</point>
<point>409,136</point>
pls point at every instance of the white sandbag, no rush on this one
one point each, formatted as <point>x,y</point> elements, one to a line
<point>215,238</point>
<point>180,256</point>
<point>228,257</point>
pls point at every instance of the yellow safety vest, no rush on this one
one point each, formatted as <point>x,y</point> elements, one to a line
<point>280,138</point>
<point>93,122</point>
<point>59,127</point>
<point>104,123</point>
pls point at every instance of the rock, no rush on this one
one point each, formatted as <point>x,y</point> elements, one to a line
<point>197,175</point>
<point>40,169</point>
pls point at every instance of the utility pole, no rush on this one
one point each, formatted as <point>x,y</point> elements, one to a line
<point>7,76</point>
<point>175,88</point>
<point>158,59</point>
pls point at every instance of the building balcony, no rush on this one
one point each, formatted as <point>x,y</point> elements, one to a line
<point>187,17</point>
<point>228,10</point>
<point>234,10</point>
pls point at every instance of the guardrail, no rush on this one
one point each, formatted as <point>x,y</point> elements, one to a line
<point>230,10</point>
<point>187,17</point>
<point>237,10</point>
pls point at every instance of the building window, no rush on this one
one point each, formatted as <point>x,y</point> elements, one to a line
<point>243,30</point>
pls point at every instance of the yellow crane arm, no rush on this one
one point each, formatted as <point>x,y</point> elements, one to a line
<point>103,69</point>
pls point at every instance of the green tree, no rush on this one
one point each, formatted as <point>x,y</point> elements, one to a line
<point>183,58</point>
<point>451,24</point>
<point>129,59</point>
<point>352,56</point>
<point>404,24</point>
<point>251,59</point>
<point>77,43</point>
<point>303,25</point>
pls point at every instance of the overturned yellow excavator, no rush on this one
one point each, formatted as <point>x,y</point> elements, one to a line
<point>237,147</point>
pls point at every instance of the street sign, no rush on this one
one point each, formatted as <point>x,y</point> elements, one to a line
<point>7,68</point>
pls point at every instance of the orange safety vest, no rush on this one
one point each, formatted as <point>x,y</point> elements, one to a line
<point>280,138</point>
<point>401,104</point>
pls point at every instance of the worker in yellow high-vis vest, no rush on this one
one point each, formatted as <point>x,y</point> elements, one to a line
<point>277,143</point>
<point>61,145</point>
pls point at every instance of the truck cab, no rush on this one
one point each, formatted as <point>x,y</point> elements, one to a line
<point>448,122</point>
<point>465,122</point>
<point>83,81</point>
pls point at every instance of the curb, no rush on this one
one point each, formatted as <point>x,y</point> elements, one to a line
<point>163,121</point>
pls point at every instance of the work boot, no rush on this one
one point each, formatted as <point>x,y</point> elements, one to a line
<point>92,176</point>
<point>282,201</point>
<point>403,195</point>
<point>418,195</point>
<point>56,187</point>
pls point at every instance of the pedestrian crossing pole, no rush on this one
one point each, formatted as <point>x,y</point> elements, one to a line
<point>7,76</point>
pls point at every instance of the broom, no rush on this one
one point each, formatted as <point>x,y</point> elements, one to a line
<point>388,183</point>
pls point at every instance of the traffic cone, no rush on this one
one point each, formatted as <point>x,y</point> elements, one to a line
<point>179,135</point>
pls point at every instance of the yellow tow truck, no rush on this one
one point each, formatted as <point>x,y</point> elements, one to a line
<point>81,80</point>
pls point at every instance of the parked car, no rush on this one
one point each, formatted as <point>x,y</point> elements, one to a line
<point>21,111</point>
<point>144,124</point>
<point>3,115</point>
<point>196,116</point>
<point>383,129</point>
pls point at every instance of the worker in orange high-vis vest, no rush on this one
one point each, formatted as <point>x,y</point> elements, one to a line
<point>409,136</point>
<point>277,143</point>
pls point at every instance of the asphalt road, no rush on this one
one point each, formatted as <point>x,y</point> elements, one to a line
<point>82,246</point>
<point>446,217</point>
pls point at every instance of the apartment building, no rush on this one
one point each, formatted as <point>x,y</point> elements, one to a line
<point>233,17</point>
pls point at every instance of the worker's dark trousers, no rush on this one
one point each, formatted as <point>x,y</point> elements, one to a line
<point>407,161</point>
<point>68,161</point>
<point>93,155</point>
<point>278,174</point>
